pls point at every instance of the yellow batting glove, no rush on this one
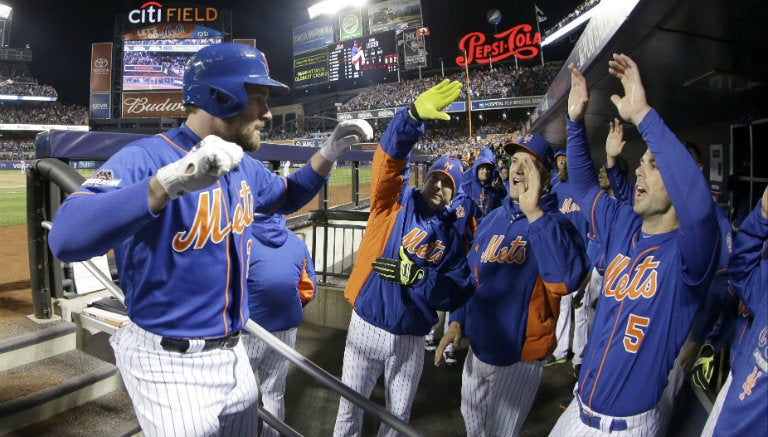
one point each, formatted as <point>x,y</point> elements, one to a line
<point>430,104</point>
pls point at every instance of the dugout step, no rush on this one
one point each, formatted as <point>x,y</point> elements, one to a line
<point>40,389</point>
<point>110,415</point>
<point>25,339</point>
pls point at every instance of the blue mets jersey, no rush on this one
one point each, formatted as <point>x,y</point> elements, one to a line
<point>183,270</point>
<point>653,284</point>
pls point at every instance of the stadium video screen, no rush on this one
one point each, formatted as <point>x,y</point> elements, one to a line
<point>372,57</point>
<point>158,64</point>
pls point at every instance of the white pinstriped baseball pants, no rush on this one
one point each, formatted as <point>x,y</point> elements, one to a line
<point>271,369</point>
<point>369,352</point>
<point>495,400</point>
<point>563,327</point>
<point>714,414</point>
<point>211,393</point>
<point>583,315</point>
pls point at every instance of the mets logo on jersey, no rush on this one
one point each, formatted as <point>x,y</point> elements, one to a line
<point>623,280</point>
<point>210,219</point>
<point>103,178</point>
<point>460,211</point>
<point>569,206</point>
<point>514,252</point>
<point>412,241</point>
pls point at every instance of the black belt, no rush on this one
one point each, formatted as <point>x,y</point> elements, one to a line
<point>181,345</point>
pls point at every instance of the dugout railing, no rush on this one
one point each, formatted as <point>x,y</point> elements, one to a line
<point>51,177</point>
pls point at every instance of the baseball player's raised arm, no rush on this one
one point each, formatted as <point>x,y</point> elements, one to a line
<point>699,233</point>
<point>90,224</point>
<point>99,216</point>
<point>622,189</point>
<point>560,253</point>
<point>749,250</point>
<point>390,160</point>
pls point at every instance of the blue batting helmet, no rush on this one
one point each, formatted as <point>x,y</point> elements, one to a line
<point>215,78</point>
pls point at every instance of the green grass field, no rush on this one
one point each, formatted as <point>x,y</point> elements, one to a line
<point>13,201</point>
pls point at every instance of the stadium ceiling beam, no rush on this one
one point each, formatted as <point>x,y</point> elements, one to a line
<point>330,7</point>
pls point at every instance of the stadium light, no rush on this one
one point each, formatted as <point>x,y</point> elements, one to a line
<point>5,11</point>
<point>570,27</point>
<point>330,7</point>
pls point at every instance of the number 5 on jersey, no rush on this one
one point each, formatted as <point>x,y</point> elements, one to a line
<point>635,332</point>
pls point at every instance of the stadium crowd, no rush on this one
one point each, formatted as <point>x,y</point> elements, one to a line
<point>15,79</point>
<point>584,7</point>
<point>499,82</point>
<point>17,149</point>
<point>49,113</point>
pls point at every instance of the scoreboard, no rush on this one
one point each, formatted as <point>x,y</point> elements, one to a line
<point>372,57</point>
<point>310,68</point>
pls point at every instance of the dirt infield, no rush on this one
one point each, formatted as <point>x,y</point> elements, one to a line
<point>12,179</point>
<point>15,292</point>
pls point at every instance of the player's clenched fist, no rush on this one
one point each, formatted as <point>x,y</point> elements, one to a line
<point>210,159</point>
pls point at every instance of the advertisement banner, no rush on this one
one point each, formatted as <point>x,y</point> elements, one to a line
<point>176,31</point>
<point>99,106</point>
<point>101,67</point>
<point>350,24</point>
<point>414,49</point>
<point>310,69</point>
<point>391,13</point>
<point>155,104</point>
<point>314,35</point>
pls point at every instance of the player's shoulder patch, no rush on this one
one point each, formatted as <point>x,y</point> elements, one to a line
<point>105,177</point>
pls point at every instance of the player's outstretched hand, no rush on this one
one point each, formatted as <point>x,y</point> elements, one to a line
<point>210,159</point>
<point>633,106</point>
<point>430,104</point>
<point>401,271</point>
<point>578,97</point>
<point>452,335</point>
<point>764,204</point>
<point>345,134</point>
<point>614,142</point>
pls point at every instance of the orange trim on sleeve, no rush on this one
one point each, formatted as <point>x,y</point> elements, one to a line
<point>592,213</point>
<point>386,183</point>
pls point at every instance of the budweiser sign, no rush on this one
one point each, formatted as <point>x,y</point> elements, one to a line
<point>520,41</point>
<point>155,104</point>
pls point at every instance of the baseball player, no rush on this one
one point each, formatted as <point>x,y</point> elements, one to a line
<point>177,209</point>
<point>412,262</point>
<point>525,256</point>
<point>659,252</point>
<point>281,281</point>
<point>568,206</point>
<point>741,408</point>
<point>357,55</point>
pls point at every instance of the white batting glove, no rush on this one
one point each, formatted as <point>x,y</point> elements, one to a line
<point>210,159</point>
<point>345,134</point>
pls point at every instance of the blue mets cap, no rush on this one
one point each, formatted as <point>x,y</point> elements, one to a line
<point>534,144</point>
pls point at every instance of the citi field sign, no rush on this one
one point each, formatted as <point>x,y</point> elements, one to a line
<point>519,41</point>
<point>154,12</point>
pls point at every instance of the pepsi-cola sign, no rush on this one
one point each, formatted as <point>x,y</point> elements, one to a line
<point>520,41</point>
